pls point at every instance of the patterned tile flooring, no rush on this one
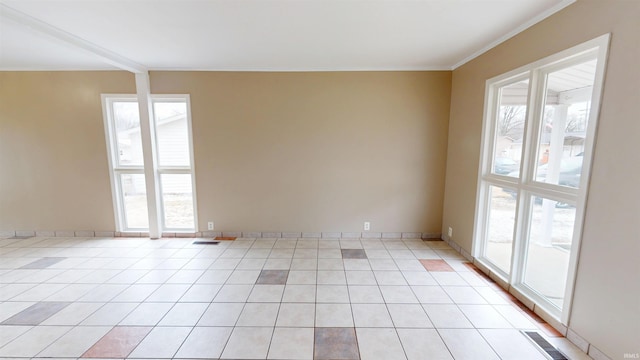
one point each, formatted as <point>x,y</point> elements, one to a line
<point>256,299</point>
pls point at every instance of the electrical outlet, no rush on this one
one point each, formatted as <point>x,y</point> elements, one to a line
<point>367,226</point>
<point>450,233</point>
<point>210,225</point>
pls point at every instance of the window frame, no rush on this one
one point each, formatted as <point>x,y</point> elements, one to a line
<point>526,185</point>
<point>116,170</point>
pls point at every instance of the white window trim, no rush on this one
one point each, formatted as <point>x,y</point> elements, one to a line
<point>115,169</point>
<point>526,184</point>
<point>177,169</point>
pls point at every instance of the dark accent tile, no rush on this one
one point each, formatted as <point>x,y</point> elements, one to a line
<point>36,313</point>
<point>336,343</point>
<point>353,254</point>
<point>43,263</point>
<point>206,242</point>
<point>225,238</point>
<point>436,265</point>
<point>118,343</point>
<point>273,277</point>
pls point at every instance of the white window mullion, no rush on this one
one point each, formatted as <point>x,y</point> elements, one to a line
<point>148,149</point>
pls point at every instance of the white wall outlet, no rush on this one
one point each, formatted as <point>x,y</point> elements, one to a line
<point>450,233</point>
<point>210,225</point>
<point>367,226</point>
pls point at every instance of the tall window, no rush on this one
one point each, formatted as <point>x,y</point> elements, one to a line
<point>173,159</point>
<point>538,136</point>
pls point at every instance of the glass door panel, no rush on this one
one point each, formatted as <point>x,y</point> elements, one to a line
<point>500,224</point>
<point>175,165</point>
<point>134,201</point>
<point>549,248</point>
<point>177,201</point>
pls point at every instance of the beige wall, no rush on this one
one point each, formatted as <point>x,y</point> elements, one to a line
<point>273,151</point>
<point>606,307</point>
<point>53,161</point>
<point>317,151</point>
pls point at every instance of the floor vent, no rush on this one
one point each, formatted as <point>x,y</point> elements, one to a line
<point>549,349</point>
<point>206,242</point>
<point>21,237</point>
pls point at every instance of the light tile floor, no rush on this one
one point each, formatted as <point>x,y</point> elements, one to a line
<point>255,299</point>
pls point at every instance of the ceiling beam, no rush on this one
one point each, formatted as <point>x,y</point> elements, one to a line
<point>51,31</point>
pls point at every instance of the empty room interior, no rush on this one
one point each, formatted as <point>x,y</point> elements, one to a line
<point>283,179</point>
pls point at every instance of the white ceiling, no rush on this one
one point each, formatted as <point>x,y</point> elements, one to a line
<point>260,35</point>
